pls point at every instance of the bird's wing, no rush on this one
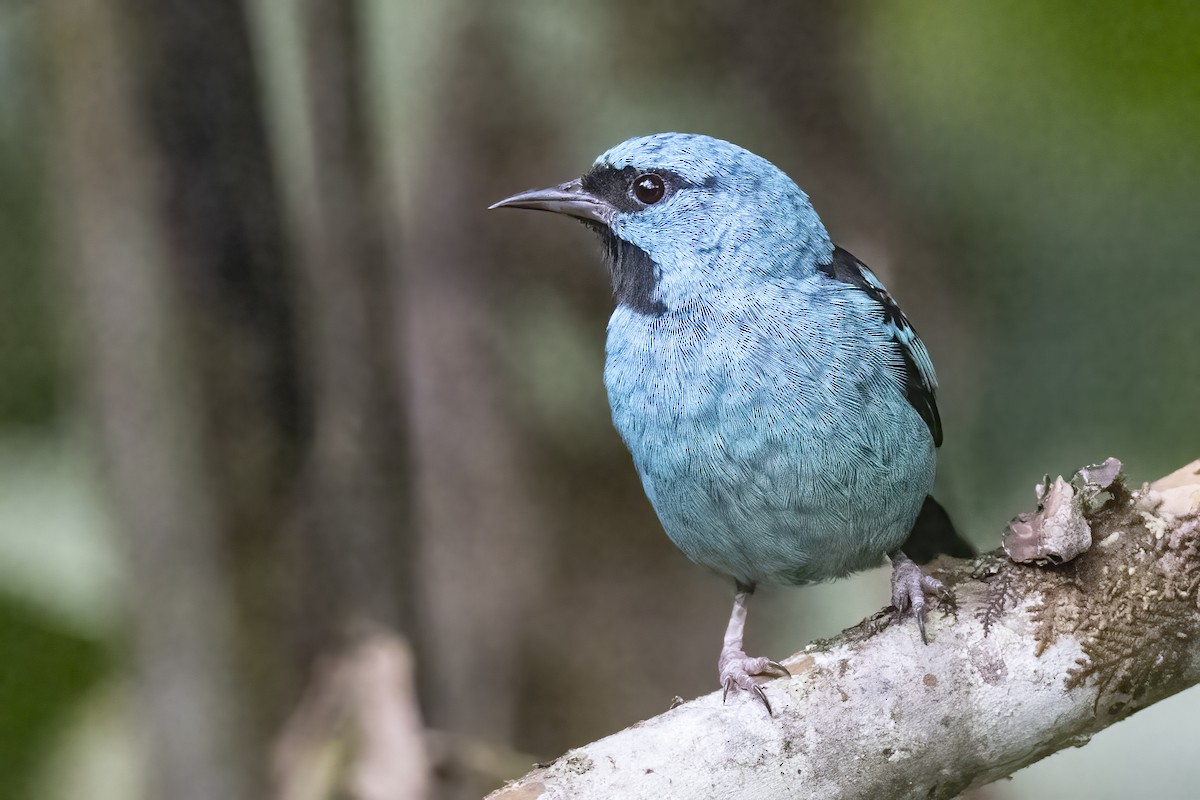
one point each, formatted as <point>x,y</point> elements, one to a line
<point>920,382</point>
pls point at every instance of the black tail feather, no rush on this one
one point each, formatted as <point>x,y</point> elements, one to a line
<point>933,534</point>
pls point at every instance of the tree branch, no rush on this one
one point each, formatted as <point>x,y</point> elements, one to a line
<point>1033,659</point>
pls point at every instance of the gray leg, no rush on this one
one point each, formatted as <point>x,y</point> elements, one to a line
<point>737,669</point>
<point>909,587</point>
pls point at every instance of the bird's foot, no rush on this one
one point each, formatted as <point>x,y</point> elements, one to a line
<point>738,671</point>
<point>909,588</point>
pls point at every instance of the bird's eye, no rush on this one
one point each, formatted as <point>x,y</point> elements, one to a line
<point>649,188</point>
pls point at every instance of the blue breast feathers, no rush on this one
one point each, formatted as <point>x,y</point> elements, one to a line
<point>771,428</point>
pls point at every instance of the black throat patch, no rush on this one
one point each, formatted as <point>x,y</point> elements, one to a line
<point>634,273</point>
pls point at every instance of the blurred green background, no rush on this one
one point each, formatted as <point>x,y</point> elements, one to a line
<point>272,382</point>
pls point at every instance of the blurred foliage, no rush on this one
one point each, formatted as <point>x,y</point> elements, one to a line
<point>1054,153</point>
<point>58,603</point>
<point>29,366</point>
<point>45,671</point>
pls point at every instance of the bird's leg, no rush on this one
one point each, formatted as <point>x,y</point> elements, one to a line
<point>909,587</point>
<point>738,669</point>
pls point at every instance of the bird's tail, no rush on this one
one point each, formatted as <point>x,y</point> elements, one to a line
<point>933,534</point>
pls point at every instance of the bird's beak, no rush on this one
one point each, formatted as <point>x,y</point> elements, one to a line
<point>569,198</point>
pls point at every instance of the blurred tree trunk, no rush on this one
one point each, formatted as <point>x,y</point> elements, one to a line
<point>241,379</point>
<point>144,404</point>
<point>483,541</point>
<point>359,552</point>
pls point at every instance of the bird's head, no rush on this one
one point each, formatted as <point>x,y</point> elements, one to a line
<point>683,215</point>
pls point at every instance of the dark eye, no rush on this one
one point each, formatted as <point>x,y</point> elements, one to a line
<point>649,188</point>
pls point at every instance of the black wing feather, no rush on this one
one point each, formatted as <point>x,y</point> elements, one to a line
<point>920,385</point>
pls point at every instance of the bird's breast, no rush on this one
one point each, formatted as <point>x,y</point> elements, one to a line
<point>765,456</point>
<point>685,390</point>
<point>702,385</point>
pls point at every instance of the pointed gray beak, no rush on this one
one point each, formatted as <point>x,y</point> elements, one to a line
<point>570,198</point>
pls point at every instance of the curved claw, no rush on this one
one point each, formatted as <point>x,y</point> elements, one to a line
<point>779,668</point>
<point>756,690</point>
<point>762,695</point>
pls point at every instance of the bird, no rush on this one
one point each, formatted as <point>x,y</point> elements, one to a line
<point>778,405</point>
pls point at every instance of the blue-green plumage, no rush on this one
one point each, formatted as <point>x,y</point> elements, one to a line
<point>765,404</point>
<point>799,485</point>
<point>778,406</point>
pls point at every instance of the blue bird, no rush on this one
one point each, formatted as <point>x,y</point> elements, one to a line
<point>779,407</point>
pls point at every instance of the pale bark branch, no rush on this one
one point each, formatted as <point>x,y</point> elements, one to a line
<point>1033,660</point>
